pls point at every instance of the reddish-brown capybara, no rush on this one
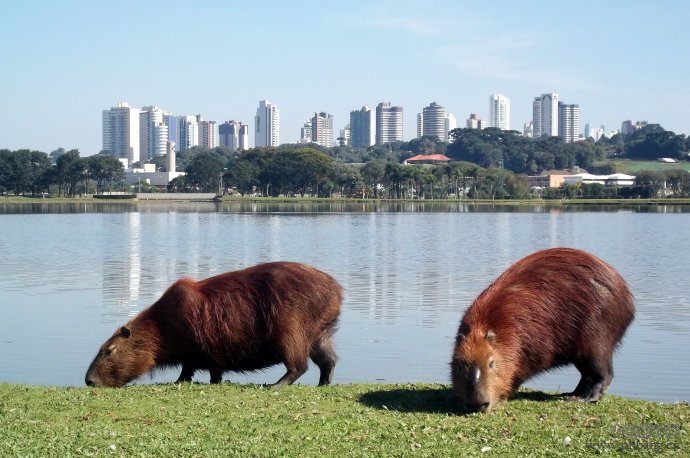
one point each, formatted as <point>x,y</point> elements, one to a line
<point>279,312</point>
<point>554,307</point>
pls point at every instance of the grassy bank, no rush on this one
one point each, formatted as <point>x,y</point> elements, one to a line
<point>340,420</point>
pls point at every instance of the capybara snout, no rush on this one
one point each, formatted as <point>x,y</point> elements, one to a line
<point>280,312</point>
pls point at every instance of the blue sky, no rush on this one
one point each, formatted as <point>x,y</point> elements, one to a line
<point>64,62</point>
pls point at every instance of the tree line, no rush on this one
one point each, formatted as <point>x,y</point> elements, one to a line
<point>486,164</point>
<point>26,172</point>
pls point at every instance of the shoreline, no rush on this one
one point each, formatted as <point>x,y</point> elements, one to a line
<point>277,200</point>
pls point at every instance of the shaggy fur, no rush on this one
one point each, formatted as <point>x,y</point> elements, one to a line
<point>554,307</point>
<point>281,312</point>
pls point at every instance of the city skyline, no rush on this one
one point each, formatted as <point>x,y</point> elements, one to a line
<point>626,67</point>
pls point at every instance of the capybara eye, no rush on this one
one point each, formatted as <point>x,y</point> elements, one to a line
<point>491,363</point>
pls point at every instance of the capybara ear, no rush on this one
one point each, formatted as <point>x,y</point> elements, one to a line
<point>490,336</point>
<point>125,332</point>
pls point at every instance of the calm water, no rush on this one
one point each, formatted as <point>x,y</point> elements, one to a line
<point>71,274</point>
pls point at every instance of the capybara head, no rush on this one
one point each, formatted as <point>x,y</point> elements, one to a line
<point>475,371</point>
<point>121,359</point>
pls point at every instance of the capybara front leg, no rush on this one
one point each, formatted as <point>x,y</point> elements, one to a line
<point>600,375</point>
<point>324,357</point>
<point>186,374</point>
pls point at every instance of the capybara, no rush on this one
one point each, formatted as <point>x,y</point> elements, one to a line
<point>552,308</point>
<point>279,312</point>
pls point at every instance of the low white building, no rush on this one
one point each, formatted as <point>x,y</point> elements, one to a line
<point>148,175</point>
<point>615,179</point>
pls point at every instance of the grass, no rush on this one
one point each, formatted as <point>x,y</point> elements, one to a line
<point>339,420</point>
<point>632,167</point>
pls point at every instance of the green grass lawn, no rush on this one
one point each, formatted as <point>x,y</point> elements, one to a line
<point>633,167</point>
<point>339,420</point>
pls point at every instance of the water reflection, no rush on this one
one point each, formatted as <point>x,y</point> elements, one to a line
<point>408,273</point>
<point>336,207</point>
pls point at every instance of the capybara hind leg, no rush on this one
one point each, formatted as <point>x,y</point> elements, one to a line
<point>216,375</point>
<point>292,374</point>
<point>186,374</point>
<point>324,357</point>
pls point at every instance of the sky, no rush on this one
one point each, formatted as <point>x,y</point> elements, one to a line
<point>64,62</point>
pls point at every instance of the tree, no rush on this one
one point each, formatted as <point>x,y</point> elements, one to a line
<point>105,168</point>
<point>204,171</point>
<point>243,175</point>
<point>70,170</point>
<point>373,174</point>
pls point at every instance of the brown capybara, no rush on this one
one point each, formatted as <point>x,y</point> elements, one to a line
<point>552,308</point>
<point>279,312</point>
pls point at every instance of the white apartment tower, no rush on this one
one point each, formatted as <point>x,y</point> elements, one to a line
<point>451,123</point>
<point>153,133</point>
<point>389,123</point>
<point>344,137</point>
<point>545,115</point>
<point>499,111</point>
<point>121,132</point>
<point>362,128</point>
<point>434,122</point>
<point>322,129</point>
<point>305,132</point>
<point>568,122</point>
<point>267,122</point>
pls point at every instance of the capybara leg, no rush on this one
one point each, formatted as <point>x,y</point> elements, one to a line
<point>599,376</point>
<point>216,375</point>
<point>186,374</point>
<point>324,356</point>
<point>585,381</point>
<point>294,371</point>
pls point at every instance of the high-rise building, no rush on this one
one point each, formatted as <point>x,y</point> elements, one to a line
<point>545,115</point>
<point>188,132</point>
<point>474,122</point>
<point>451,123</point>
<point>628,127</point>
<point>499,111</point>
<point>345,134</point>
<point>153,133</point>
<point>305,132</point>
<point>207,133</point>
<point>568,122</point>
<point>121,132</point>
<point>244,137</point>
<point>233,135</point>
<point>420,125</point>
<point>322,129</point>
<point>173,123</point>
<point>267,121</point>
<point>593,132</point>
<point>434,122</point>
<point>362,128</point>
<point>389,123</point>
<point>528,130</point>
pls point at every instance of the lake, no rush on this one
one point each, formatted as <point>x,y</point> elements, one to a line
<point>71,274</point>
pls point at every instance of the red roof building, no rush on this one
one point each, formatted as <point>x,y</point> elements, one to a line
<point>428,159</point>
